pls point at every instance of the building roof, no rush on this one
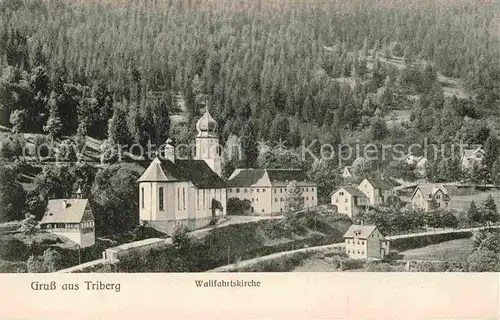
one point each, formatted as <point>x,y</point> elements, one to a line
<point>206,124</point>
<point>249,177</point>
<point>73,212</point>
<point>349,170</point>
<point>378,183</point>
<point>246,177</point>
<point>429,189</point>
<point>280,175</point>
<point>196,171</point>
<point>200,174</point>
<point>353,191</point>
<point>469,153</point>
<point>362,231</point>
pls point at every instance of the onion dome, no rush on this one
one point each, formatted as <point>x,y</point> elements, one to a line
<point>206,124</point>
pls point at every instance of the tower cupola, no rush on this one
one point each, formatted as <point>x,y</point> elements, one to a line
<point>206,126</point>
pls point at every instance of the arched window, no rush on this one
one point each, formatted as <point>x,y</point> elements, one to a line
<point>160,199</point>
<point>142,197</point>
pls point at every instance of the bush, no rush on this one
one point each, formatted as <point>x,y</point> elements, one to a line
<point>237,207</point>
<point>13,249</point>
<point>403,244</point>
<point>381,267</point>
<point>350,264</point>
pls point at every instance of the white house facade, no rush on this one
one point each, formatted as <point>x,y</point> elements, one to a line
<point>70,218</point>
<point>365,242</point>
<point>266,188</point>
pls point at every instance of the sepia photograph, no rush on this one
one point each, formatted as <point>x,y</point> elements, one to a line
<point>193,136</point>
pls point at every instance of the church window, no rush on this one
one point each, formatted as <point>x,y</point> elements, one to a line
<point>275,190</point>
<point>312,198</point>
<point>204,204</point>
<point>184,198</point>
<point>197,199</point>
<point>160,199</point>
<point>178,198</point>
<point>142,197</point>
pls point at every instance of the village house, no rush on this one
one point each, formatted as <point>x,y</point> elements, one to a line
<point>349,200</point>
<point>188,192</point>
<point>365,242</point>
<point>266,188</point>
<point>70,218</point>
<point>471,157</point>
<point>419,162</point>
<point>430,197</point>
<point>377,190</point>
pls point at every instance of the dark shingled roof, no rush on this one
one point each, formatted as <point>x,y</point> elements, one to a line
<point>378,183</point>
<point>196,171</point>
<point>286,175</point>
<point>200,174</point>
<point>246,177</point>
<point>353,191</point>
<point>249,177</point>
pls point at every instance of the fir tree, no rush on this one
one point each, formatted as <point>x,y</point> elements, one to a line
<point>489,209</point>
<point>54,126</point>
<point>249,146</point>
<point>294,198</point>
<point>473,214</point>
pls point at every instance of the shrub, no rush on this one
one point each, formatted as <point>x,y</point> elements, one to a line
<point>13,249</point>
<point>350,264</point>
<point>236,206</point>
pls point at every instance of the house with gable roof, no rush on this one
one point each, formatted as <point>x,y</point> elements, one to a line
<point>377,190</point>
<point>471,157</point>
<point>427,195</point>
<point>365,242</point>
<point>349,200</point>
<point>70,218</point>
<point>266,189</point>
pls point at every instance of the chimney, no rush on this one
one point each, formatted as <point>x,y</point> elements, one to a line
<point>65,203</point>
<point>170,151</point>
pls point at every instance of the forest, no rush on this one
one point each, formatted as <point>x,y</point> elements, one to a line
<point>336,71</point>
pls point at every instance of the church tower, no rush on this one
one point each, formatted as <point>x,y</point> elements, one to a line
<point>207,143</point>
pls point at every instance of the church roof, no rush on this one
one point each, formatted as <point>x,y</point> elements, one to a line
<point>196,171</point>
<point>72,212</point>
<point>200,174</point>
<point>154,172</point>
<point>206,123</point>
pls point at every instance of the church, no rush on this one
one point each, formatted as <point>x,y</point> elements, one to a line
<point>188,192</point>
